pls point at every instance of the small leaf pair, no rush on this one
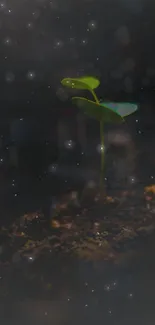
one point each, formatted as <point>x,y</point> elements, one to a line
<point>105,112</point>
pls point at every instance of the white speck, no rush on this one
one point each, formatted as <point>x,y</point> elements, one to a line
<point>92,25</point>
<point>107,287</point>
<point>7,41</point>
<point>2,5</point>
<point>86,305</point>
<point>29,25</point>
<point>58,44</point>
<point>84,42</point>
<point>69,144</point>
<point>130,295</point>
<point>31,75</point>
<point>53,168</point>
<point>100,148</point>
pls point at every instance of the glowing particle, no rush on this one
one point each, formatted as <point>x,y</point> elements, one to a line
<point>107,287</point>
<point>58,44</point>
<point>92,25</point>
<point>100,148</point>
<point>69,144</point>
<point>53,168</point>
<point>7,41</point>
<point>130,295</point>
<point>29,25</point>
<point>31,75</point>
<point>132,180</point>
<point>2,5</point>
<point>84,42</point>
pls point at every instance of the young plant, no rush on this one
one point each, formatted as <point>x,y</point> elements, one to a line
<point>105,112</point>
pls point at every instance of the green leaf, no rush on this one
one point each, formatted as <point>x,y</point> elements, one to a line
<point>96,111</point>
<point>81,83</point>
<point>91,82</point>
<point>123,109</point>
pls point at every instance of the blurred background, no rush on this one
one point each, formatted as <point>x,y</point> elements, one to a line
<point>49,150</point>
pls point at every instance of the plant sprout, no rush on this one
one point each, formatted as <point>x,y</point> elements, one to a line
<point>105,112</point>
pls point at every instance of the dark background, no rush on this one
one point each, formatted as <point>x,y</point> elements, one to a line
<point>41,42</point>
